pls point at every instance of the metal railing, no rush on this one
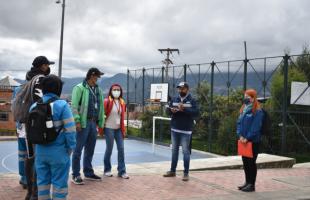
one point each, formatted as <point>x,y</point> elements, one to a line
<point>225,77</point>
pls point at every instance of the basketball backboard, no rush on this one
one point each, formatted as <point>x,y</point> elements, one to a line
<point>159,92</point>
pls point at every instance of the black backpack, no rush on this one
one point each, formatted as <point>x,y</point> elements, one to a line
<point>266,126</point>
<point>39,126</point>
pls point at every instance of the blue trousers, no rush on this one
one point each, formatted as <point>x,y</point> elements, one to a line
<point>182,139</point>
<point>22,155</point>
<point>86,139</point>
<point>52,170</point>
<point>110,136</point>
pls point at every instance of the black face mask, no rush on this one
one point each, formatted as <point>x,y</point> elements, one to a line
<point>247,101</point>
<point>182,94</point>
<point>48,71</point>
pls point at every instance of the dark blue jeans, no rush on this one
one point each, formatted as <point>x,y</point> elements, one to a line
<point>182,139</point>
<point>86,139</point>
<point>22,155</point>
<point>110,135</point>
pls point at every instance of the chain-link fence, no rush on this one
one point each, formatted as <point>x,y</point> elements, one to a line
<point>218,87</point>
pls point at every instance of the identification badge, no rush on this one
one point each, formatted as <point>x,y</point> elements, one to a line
<point>118,122</point>
<point>96,106</point>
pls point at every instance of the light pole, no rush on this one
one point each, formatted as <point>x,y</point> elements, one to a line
<point>61,35</point>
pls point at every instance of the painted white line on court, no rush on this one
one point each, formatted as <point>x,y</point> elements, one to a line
<point>4,165</point>
<point>99,152</point>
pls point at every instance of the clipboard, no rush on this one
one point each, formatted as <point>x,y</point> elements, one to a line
<point>245,150</point>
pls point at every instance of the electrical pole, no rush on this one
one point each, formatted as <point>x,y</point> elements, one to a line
<point>167,61</point>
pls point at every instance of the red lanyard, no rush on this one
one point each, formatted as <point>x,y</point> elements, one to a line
<point>118,108</point>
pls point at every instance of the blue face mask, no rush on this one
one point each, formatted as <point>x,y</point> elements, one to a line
<point>247,101</point>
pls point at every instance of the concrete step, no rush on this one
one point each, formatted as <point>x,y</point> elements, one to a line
<point>302,165</point>
<point>219,163</point>
<point>8,138</point>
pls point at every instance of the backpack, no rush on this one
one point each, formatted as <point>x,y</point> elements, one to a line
<point>24,99</point>
<point>39,126</point>
<point>266,125</point>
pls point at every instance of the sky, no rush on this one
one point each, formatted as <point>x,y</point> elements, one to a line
<point>125,34</point>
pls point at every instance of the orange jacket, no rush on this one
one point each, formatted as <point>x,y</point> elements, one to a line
<point>108,105</point>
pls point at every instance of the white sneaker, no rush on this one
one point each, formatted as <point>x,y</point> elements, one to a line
<point>108,174</point>
<point>124,176</point>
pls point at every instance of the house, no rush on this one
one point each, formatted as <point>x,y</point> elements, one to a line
<point>7,123</point>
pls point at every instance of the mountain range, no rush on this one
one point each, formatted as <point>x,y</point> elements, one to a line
<point>135,95</point>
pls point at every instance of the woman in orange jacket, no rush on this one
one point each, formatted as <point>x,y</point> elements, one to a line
<point>114,129</point>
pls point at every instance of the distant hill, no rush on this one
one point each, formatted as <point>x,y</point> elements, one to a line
<point>105,82</point>
<point>220,83</point>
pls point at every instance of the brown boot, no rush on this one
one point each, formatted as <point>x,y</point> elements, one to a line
<point>169,174</point>
<point>185,177</point>
<point>29,176</point>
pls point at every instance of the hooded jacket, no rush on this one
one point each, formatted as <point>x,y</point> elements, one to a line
<point>108,105</point>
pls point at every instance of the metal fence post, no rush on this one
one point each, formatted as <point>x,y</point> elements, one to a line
<point>173,81</point>
<point>185,69</point>
<point>127,94</point>
<point>228,83</point>
<point>211,107</point>
<point>135,86</point>
<point>162,74</point>
<point>161,107</point>
<point>264,82</point>
<point>284,106</point>
<point>245,73</point>
<point>198,75</point>
<point>143,87</point>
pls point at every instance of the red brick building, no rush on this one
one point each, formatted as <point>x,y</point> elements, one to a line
<point>7,123</point>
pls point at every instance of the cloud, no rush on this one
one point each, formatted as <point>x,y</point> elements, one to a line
<point>116,35</point>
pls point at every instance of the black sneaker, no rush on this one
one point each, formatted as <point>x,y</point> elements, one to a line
<point>93,177</point>
<point>24,185</point>
<point>242,186</point>
<point>77,180</point>
<point>248,188</point>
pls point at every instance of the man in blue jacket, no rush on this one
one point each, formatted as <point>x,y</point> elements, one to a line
<point>182,109</point>
<point>52,160</point>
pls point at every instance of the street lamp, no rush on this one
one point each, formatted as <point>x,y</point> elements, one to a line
<point>61,35</point>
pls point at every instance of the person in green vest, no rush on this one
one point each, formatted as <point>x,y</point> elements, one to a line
<point>88,113</point>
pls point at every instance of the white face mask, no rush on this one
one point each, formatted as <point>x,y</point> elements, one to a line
<point>116,94</point>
